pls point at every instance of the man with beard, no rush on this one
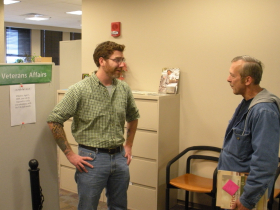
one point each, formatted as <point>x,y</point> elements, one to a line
<point>99,105</point>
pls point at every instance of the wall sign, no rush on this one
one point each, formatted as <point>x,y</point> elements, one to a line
<point>22,104</point>
<point>12,74</point>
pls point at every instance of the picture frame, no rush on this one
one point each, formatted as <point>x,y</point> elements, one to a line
<point>169,81</point>
<point>85,75</point>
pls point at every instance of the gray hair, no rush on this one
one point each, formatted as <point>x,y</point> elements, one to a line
<point>252,67</point>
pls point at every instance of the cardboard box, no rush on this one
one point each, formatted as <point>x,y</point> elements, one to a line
<point>43,59</point>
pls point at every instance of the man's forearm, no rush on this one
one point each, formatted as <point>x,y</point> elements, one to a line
<point>131,130</point>
<point>60,137</point>
<point>61,140</point>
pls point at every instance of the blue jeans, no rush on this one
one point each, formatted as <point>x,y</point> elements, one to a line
<point>110,172</point>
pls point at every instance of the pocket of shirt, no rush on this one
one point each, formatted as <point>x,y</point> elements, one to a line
<point>240,144</point>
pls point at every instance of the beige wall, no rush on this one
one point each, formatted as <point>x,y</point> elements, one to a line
<point>66,36</point>
<point>199,37</point>
<point>35,42</point>
<point>2,34</point>
<point>70,63</point>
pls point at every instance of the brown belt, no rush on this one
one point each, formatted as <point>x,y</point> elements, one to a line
<point>110,151</point>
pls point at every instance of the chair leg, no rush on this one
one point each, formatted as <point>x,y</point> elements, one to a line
<point>167,199</point>
<point>269,205</point>
<point>213,203</point>
<point>187,200</point>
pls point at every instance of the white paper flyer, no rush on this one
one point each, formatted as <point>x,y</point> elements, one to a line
<point>22,104</point>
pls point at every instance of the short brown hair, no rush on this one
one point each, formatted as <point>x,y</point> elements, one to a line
<point>105,50</point>
<point>252,67</point>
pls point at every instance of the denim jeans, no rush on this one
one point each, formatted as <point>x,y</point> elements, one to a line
<point>110,172</point>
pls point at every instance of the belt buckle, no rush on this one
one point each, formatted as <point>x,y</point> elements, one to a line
<point>111,151</point>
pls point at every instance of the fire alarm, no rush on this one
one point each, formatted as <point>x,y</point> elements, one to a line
<point>116,29</point>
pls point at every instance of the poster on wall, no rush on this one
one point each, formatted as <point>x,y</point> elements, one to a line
<point>22,104</point>
<point>169,81</point>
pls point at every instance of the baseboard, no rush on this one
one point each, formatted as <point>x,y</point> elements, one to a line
<point>194,205</point>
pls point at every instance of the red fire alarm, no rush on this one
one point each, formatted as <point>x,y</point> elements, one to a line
<point>116,29</point>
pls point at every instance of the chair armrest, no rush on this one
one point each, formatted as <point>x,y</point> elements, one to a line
<point>205,148</point>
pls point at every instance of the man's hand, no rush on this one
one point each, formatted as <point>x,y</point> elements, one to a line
<point>128,153</point>
<point>79,162</point>
<point>59,135</point>
<point>239,206</point>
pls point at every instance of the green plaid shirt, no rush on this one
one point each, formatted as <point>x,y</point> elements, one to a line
<point>98,118</point>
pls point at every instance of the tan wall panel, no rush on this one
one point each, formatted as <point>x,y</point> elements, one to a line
<point>2,34</point>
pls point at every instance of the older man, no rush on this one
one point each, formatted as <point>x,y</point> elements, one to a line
<point>251,141</point>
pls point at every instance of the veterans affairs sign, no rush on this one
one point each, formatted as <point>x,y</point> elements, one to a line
<point>12,74</point>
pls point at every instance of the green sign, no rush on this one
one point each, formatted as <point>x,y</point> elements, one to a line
<point>12,74</point>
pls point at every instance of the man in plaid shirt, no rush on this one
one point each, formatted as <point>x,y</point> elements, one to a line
<point>99,105</point>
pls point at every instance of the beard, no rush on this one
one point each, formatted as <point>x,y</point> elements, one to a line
<point>114,72</point>
<point>118,72</point>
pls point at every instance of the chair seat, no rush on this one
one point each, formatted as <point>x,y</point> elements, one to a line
<point>194,183</point>
<point>276,193</point>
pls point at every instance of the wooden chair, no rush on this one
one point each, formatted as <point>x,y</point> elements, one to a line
<point>190,182</point>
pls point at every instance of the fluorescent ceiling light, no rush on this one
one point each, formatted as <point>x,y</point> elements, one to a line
<point>36,17</point>
<point>79,12</point>
<point>10,2</point>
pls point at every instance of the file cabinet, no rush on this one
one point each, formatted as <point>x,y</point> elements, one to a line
<point>156,142</point>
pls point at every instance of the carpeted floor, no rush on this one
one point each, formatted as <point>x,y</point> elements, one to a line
<point>69,201</point>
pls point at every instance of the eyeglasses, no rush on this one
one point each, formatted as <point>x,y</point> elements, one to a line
<point>118,60</point>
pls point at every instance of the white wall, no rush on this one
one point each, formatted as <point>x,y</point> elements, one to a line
<point>35,42</point>
<point>66,36</point>
<point>2,34</point>
<point>70,63</point>
<point>199,37</point>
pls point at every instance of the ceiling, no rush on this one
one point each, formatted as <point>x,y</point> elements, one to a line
<point>56,9</point>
